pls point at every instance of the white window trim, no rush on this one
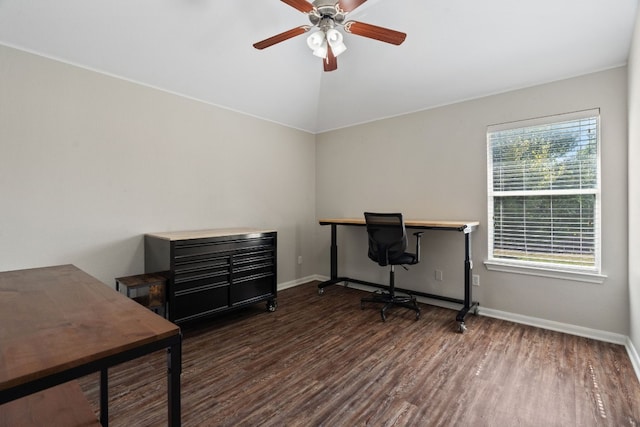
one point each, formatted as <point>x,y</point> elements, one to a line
<point>554,273</point>
<point>581,274</point>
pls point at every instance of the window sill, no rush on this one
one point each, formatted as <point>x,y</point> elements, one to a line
<point>577,276</point>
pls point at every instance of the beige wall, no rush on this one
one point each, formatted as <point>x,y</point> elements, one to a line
<point>90,163</point>
<point>634,188</point>
<point>432,164</point>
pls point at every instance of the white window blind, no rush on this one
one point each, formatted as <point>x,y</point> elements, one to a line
<point>544,192</point>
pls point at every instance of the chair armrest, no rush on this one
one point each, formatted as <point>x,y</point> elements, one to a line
<point>418,235</point>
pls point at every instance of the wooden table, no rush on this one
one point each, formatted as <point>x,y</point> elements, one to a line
<point>59,323</point>
<point>465,227</point>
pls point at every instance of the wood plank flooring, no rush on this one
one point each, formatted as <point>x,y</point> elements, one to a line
<point>321,361</point>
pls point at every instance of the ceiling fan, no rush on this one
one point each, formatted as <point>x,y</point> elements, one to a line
<point>327,42</point>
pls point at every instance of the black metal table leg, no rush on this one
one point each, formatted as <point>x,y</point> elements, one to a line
<point>104,397</point>
<point>334,262</point>
<point>334,251</point>
<point>468,268</point>
<point>174,362</point>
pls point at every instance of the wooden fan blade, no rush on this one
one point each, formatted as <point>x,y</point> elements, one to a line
<point>330,62</point>
<point>375,32</point>
<point>281,37</point>
<point>302,5</point>
<point>349,5</point>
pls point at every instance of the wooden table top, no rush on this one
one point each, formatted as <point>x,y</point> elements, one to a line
<point>57,318</point>
<point>411,223</point>
<point>203,234</point>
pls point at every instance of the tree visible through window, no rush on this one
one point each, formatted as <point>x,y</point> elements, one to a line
<point>544,192</point>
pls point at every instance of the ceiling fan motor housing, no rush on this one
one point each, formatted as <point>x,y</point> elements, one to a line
<point>325,11</point>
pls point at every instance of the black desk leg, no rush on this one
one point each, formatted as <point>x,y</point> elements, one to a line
<point>334,251</point>
<point>174,362</point>
<point>468,301</point>
<point>467,270</point>
<point>334,261</point>
<point>104,397</point>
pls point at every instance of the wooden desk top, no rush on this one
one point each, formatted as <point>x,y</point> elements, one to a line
<point>57,318</point>
<point>409,223</point>
<point>203,234</point>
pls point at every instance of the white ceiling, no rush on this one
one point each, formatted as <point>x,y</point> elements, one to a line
<point>455,50</point>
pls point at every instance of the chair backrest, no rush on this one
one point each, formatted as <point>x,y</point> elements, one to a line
<point>387,237</point>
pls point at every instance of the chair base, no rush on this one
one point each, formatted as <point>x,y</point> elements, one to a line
<point>390,300</point>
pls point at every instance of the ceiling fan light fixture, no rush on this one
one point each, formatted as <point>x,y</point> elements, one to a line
<point>335,39</point>
<point>317,42</point>
<point>328,42</point>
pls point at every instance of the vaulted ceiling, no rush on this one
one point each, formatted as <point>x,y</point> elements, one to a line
<point>455,50</point>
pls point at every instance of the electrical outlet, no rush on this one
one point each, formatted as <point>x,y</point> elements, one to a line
<point>439,275</point>
<point>475,280</point>
<point>299,259</point>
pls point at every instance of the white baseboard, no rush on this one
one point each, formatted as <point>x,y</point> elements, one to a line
<point>556,326</point>
<point>517,318</point>
<point>301,281</point>
<point>633,355</point>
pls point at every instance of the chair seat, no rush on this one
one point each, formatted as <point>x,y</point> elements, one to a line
<point>404,259</point>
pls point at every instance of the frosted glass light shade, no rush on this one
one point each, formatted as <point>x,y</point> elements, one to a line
<point>318,43</point>
<point>335,37</point>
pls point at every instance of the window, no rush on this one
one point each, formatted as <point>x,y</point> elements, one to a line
<point>544,193</point>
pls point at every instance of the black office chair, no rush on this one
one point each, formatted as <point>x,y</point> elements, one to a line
<point>387,246</point>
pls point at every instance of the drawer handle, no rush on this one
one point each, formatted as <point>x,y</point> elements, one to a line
<point>252,277</point>
<point>200,289</point>
<point>199,277</point>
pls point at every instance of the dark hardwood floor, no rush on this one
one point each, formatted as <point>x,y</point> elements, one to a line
<point>321,361</point>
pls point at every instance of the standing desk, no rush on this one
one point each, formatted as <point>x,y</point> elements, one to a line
<point>465,227</point>
<point>59,323</point>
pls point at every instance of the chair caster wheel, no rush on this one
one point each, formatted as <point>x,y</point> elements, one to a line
<point>320,291</point>
<point>417,315</point>
<point>461,327</point>
<point>272,305</point>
